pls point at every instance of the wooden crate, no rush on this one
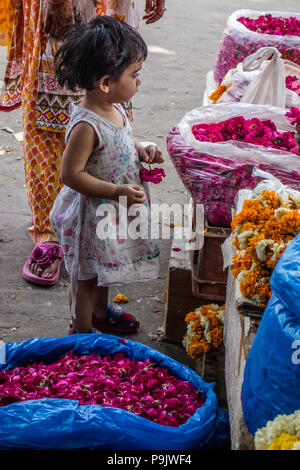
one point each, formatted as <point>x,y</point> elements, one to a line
<point>208,277</point>
<point>179,299</point>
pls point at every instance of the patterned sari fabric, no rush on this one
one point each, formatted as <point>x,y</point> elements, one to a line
<point>30,82</point>
<point>6,22</point>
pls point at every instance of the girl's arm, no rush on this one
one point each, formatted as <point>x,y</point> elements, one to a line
<point>81,143</point>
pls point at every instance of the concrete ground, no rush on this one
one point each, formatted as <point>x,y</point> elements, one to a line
<point>182,49</point>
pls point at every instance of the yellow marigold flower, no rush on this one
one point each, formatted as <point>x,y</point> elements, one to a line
<point>121,298</point>
<point>284,442</point>
<point>261,232</point>
<point>216,95</point>
<point>204,330</point>
<point>271,199</point>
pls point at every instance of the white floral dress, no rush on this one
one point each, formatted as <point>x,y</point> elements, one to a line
<point>76,218</point>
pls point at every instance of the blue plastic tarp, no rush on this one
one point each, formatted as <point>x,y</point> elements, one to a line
<point>272,372</point>
<point>63,424</point>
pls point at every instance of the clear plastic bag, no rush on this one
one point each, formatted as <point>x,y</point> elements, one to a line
<point>261,79</point>
<point>238,42</point>
<point>214,172</point>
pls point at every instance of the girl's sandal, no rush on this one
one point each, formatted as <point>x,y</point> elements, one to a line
<point>117,321</point>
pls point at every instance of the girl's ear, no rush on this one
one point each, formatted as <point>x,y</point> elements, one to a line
<point>104,83</point>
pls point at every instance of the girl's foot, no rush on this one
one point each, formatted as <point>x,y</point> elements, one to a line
<point>72,331</point>
<point>117,320</point>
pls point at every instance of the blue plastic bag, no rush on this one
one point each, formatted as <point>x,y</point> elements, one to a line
<point>63,424</point>
<point>272,372</point>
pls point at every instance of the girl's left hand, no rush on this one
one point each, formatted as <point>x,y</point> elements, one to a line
<point>150,154</point>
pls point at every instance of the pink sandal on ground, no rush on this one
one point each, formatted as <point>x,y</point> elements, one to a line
<point>43,254</point>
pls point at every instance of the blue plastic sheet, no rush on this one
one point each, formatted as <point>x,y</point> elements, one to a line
<point>63,424</point>
<point>272,372</point>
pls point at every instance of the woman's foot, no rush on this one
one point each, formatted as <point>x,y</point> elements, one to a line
<point>43,266</point>
<point>47,273</point>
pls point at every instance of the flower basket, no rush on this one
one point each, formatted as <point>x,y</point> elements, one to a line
<point>213,172</point>
<point>208,277</point>
<point>238,41</point>
<point>64,424</point>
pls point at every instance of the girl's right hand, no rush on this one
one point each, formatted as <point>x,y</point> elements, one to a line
<point>57,16</point>
<point>135,194</point>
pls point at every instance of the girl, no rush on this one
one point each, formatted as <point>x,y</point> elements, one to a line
<point>101,164</point>
<point>32,30</point>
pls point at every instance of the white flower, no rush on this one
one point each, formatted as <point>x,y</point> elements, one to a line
<point>242,276</point>
<point>276,250</point>
<point>207,336</point>
<point>185,342</point>
<point>296,199</point>
<point>283,197</point>
<point>262,247</point>
<point>215,306</point>
<point>281,211</point>
<point>289,424</point>
<point>237,229</point>
<point>220,316</point>
<point>244,236</point>
<point>258,299</point>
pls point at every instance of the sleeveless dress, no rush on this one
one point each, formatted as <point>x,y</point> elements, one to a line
<point>90,230</point>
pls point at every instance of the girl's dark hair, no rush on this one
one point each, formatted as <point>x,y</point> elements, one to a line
<point>105,46</point>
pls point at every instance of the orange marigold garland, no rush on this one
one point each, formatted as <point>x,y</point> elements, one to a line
<point>261,232</point>
<point>216,95</point>
<point>204,330</point>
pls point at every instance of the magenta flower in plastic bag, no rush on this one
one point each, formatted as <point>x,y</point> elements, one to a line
<point>140,387</point>
<point>293,116</point>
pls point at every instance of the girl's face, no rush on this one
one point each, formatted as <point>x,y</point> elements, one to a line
<point>127,85</point>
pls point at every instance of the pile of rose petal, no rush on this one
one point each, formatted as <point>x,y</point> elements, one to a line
<point>252,131</point>
<point>140,387</point>
<point>154,176</point>
<point>293,83</point>
<point>268,24</point>
<point>293,115</point>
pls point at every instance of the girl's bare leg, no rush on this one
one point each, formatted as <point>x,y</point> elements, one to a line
<point>100,301</point>
<point>84,305</point>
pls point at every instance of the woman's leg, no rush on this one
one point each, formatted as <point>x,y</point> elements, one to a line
<point>42,149</point>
